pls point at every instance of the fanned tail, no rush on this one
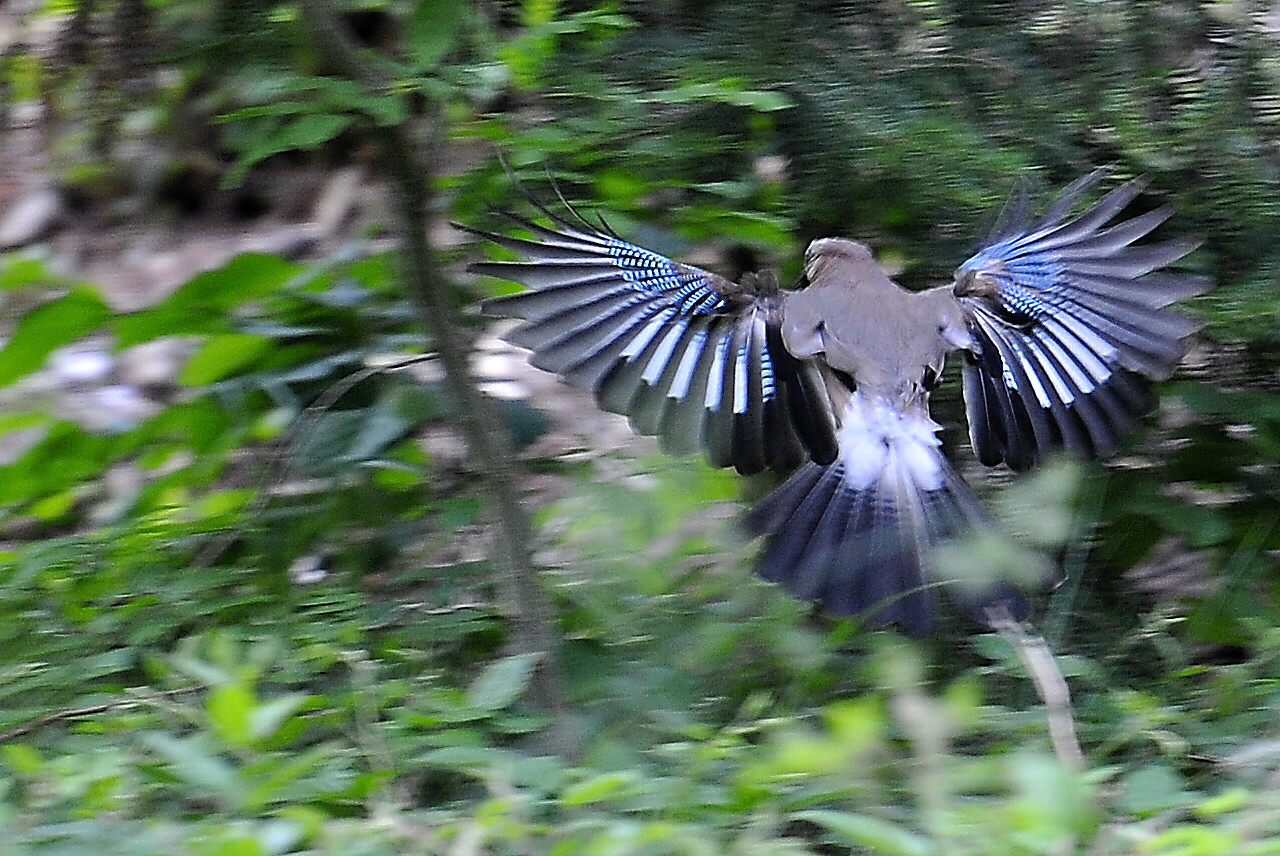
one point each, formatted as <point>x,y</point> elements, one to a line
<point>855,535</point>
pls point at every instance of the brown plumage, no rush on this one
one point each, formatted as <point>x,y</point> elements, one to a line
<point>1060,321</point>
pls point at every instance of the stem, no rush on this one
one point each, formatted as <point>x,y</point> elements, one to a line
<point>412,176</point>
<point>1050,685</point>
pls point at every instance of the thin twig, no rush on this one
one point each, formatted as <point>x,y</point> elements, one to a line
<point>90,710</point>
<point>1049,682</point>
<point>278,462</point>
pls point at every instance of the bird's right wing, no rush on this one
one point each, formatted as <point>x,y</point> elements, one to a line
<point>685,354</point>
<point>1072,320</point>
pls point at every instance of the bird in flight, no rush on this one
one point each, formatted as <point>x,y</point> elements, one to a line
<point>1061,322</point>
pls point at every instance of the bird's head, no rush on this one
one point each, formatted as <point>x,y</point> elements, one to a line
<point>826,252</point>
<point>979,280</point>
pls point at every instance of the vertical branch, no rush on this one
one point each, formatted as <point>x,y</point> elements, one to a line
<point>1050,685</point>
<point>410,165</point>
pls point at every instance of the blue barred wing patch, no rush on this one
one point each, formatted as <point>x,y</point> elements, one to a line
<point>688,287</point>
<point>1073,321</point>
<point>684,353</point>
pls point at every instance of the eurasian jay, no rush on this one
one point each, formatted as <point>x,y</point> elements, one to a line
<point>1062,322</point>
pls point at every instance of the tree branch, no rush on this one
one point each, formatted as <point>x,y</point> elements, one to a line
<point>410,165</point>
<point>1050,685</point>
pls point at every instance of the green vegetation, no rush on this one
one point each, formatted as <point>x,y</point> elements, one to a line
<point>267,618</point>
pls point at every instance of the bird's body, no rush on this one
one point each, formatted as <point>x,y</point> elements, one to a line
<point>1059,323</point>
<point>891,341</point>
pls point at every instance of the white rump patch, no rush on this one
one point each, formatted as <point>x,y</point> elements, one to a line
<point>875,439</point>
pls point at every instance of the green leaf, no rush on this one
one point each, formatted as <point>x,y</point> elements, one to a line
<point>276,776</point>
<point>22,758</point>
<point>200,670</point>
<point>1150,789</point>
<point>226,842</point>
<point>981,559</point>
<point>257,111</point>
<point>55,506</point>
<point>596,788</point>
<point>221,356</point>
<point>19,271</point>
<point>195,765</point>
<point>1053,802</point>
<point>308,132</point>
<point>881,836</point>
<point>267,718</point>
<point>502,682</point>
<point>433,30</point>
<point>1231,800</point>
<point>527,55</point>
<point>726,91</point>
<point>750,227</point>
<point>201,305</point>
<point>324,442</point>
<point>1039,507</point>
<point>64,457</point>
<point>18,421</point>
<point>466,758</point>
<point>220,503</point>
<point>230,708</point>
<point>303,133</point>
<point>47,327</point>
<point>381,427</point>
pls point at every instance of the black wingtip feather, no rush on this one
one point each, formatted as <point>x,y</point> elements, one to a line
<point>1013,215</point>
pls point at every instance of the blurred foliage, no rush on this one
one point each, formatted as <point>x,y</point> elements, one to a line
<point>261,620</point>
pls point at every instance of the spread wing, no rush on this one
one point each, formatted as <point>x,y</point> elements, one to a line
<point>687,355</point>
<point>1072,321</point>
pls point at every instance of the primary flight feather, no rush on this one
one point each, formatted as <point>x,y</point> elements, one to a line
<point>1062,322</point>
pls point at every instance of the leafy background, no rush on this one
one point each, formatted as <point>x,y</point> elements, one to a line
<point>260,611</point>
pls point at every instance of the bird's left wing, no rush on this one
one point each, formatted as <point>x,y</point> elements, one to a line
<point>1072,320</point>
<point>685,354</point>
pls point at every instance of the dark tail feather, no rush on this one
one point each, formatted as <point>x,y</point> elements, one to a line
<point>865,550</point>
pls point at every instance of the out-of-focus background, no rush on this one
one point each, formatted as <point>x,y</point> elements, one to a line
<point>252,599</point>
